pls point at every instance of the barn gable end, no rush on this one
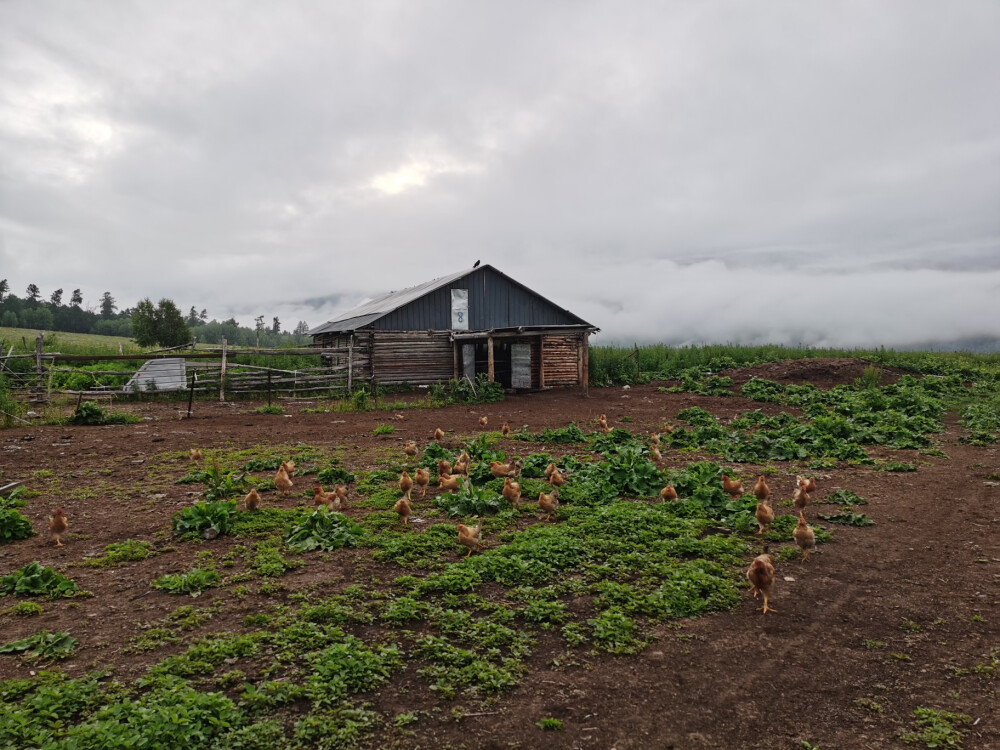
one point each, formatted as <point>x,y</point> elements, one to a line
<point>508,332</point>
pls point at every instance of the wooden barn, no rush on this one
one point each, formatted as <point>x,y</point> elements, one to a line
<point>475,321</point>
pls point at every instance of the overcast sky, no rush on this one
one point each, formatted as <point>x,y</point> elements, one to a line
<point>791,172</point>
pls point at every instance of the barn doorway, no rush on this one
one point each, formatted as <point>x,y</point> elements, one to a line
<point>511,362</point>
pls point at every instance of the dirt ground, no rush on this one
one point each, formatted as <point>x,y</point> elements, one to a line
<point>924,581</point>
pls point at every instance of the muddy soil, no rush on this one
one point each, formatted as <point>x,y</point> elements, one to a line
<point>873,626</point>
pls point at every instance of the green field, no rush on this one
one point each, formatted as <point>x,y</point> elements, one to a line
<point>23,341</point>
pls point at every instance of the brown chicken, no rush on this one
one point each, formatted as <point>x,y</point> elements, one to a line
<point>654,453</point>
<point>668,493</point>
<point>732,488</point>
<point>800,498</point>
<point>557,478</point>
<point>761,577</point>
<point>805,537</point>
<point>512,491</point>
<point>809,485</point>
<point>505,429</point>
<point>405,483</point>
<point>410,449</point>
<point>282,482</point>
<point>289,468</point>
<point>549,503</point>
<point>438,434</point>
<point>470,536</point>
<point>422,478</point>
<point>444,467</point>
<point>195,454</point>
<point>603,422</point>
<point>341,492</point>
<point>449,482</point>
<point>58,525</point>
<point>402,507</point>
<point>461,465</point>
<point>329,499</point>
<point>764,515</point>
<point>252,500</point>
<point>549,469</point>
<point>760,490</point>
<point>654,439</point>
<point>483,421</point>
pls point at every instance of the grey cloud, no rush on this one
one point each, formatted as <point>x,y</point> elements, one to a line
<point>229,155</point>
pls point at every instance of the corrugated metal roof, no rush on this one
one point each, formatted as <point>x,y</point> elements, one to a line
<point>376,308</point>
<point>372,311</point>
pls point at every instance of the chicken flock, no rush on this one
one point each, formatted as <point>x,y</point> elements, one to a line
<point>760,573</point>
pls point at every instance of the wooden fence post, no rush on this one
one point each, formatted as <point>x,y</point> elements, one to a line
<point>38,368</point>
<point>190,396</point>
<point>268,387</point>
<point>222,373</point>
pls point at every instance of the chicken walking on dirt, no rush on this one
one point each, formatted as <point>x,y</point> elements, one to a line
<point>761,577</point>
<point>804,536</point>
<point>402,507</point>
<point>406,483</point>
<point>282,482</point>
<point>764,515</point>
<point>58,525</point>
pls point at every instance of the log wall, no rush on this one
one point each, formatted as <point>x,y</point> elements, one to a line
<point>415,357</point>
<point>561,360</point>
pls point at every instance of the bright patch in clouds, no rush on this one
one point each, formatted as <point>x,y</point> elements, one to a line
<point>416,174</point>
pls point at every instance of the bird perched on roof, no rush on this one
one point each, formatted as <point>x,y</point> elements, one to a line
<point>476,264</point>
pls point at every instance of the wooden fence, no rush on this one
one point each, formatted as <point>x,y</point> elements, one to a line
<point>207,373</point>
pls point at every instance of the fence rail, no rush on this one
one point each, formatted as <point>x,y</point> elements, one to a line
<point>344,369</point>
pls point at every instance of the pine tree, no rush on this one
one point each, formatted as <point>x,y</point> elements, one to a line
<point>108,305</point>
<point>32,292</point>
<point>56,297</point>
<point>77,299</point>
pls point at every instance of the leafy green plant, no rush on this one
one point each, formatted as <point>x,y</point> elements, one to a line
<point>325,530</point>
<point>13,526</point>
<point>207,519</point>
<point>895,466</point>
<point>844,497</point>
<point>465,391</point>
<point>471,500</point>
<point>270,409</point>
<point>121,552</point>
<point>937,728</point>
<point>194,582</point>
<point>42,646</point>
<point>34,579</point>
<point>220,485</point>
<point>335,475</point>
<point>383,429</point>
<point>89,413</point>
<point>26,609</point>
<point>549,724</point>
<point>616,633</point>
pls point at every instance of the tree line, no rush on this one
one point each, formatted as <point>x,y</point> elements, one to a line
<point>160,324</point>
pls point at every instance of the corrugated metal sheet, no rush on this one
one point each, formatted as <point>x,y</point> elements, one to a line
<point>167,374</point>
<point>495,301</point>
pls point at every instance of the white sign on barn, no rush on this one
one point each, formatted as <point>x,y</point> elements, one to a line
<point>460,309</point>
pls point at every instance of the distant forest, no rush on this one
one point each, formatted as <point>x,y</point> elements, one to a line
<point>61,312</point>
